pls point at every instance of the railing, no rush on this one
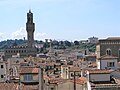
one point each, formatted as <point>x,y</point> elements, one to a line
<point>29,81</point>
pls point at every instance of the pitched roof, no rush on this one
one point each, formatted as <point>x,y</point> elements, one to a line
<point>81,80</point>
<point>100,71</point>
<point>108,57</point>
<point>113,38</point>
<point>74,69</point>
<point>29,87</point>
<point>13,86</point>
<point>26,70</point>
<point>8,86</point>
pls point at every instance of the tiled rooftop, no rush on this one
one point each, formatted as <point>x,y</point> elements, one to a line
<point>81,80</point>
<point>28,87</point>
<point>8,86</point>
<point>113,38</point>
<point>99,71</point>
<point>25,70</point>
<point>105,85</point>
<point>108,57</point>
<point>74,69</point>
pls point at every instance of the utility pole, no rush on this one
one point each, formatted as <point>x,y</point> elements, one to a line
<point>74,81</point>
<point>41,79</point>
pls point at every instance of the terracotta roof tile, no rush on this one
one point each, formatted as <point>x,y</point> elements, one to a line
<point>8,86</point>
<point>24,70</point>
<point>99,71</point>
<point>81,80</point>
<point>72,69</point>
<point>107,57</point>
<point>93,65</point>
<point>28,87</point>
<point>46,77</point>
<point>113,38</point>
<point>57,81</point>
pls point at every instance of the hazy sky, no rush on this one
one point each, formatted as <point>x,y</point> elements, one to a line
<point>61,19</point>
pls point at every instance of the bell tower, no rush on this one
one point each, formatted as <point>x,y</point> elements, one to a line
<point>30,28</point>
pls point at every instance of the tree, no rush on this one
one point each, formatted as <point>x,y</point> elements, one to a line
<point>55,42</point>
<point>46,45</point>
<point>67,43</point>
<point>61,43</point>
<point>76,42</point>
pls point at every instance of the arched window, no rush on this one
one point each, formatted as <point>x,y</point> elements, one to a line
<point>108,52</point>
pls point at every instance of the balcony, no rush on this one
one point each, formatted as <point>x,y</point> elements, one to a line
<point>30,82</point>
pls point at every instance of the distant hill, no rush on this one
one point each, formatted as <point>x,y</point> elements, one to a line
<point>55,44</point>
<point>9,43</point>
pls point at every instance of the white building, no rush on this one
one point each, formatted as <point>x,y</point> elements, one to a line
<point>98,75</point>
<point>92,40</point>
<point>107,62</point>
<point>101,80</point>
<point>64,72</point>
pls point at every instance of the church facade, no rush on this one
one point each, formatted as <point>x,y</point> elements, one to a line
<point>29,49</point>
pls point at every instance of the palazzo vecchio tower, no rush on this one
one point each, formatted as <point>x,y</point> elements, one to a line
<point>24,50</point>
<point>30,28</point>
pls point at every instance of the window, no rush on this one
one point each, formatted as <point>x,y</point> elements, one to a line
<point>2,76</point>
<point>25,60</point>
<point>28,77</point>
<point>63,70</point>
<point>72,74</point>
<point>19,51</point>
<point>17,61</point>
<point>111,64</point>
<point>52,88</point>
<point>108,52</point>
<point>24,51</point>
<point>1,66</point>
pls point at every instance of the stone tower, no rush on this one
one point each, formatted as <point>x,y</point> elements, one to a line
<point>30,28</point>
